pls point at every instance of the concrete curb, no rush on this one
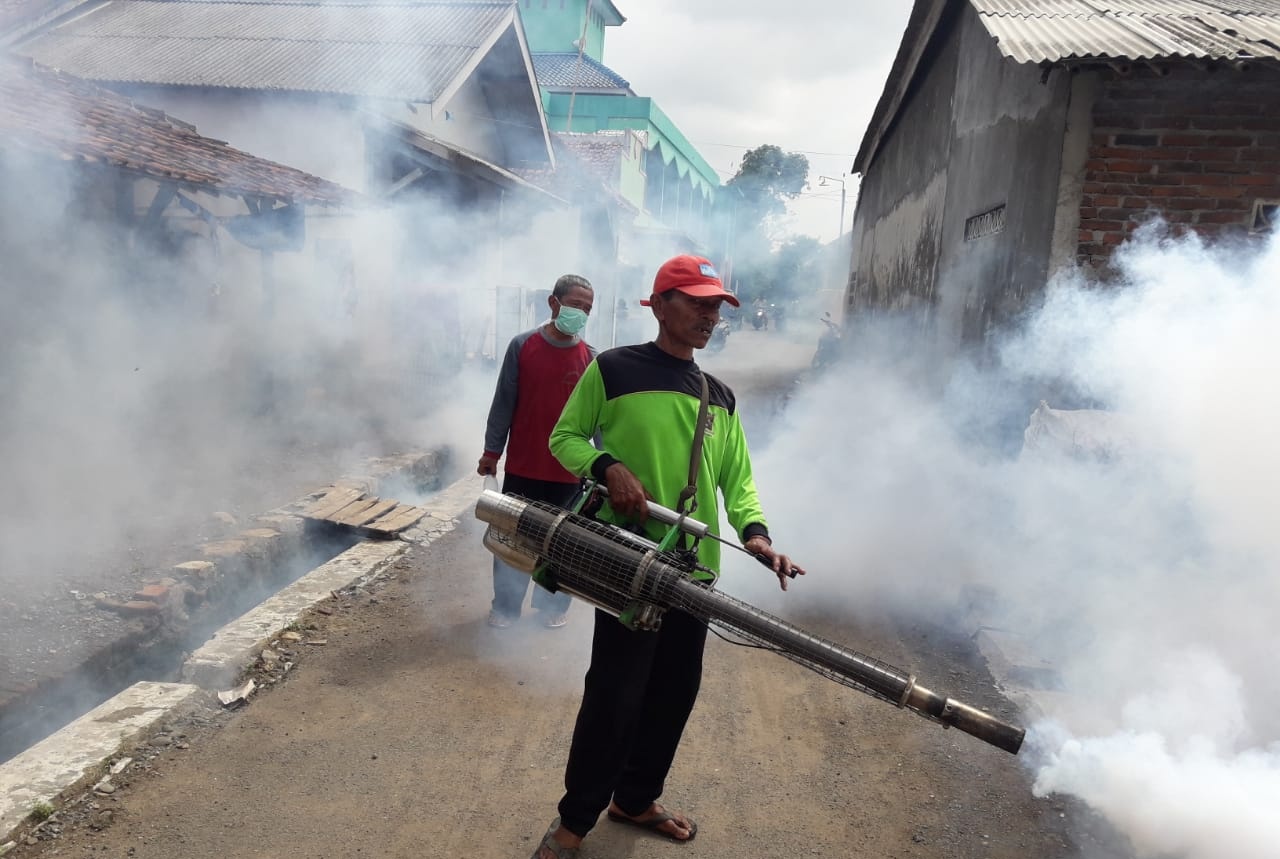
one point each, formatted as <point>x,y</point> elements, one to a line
<point>234,647</point>
<point>157,612</point>
<point>62,760</point>
<point>218,662</point>
<point>1029,681</point>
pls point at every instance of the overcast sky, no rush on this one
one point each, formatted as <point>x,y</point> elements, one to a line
<point>735,74</point>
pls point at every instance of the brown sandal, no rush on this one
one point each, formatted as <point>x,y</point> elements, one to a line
<point>654,824</point>
<point>548,841</point>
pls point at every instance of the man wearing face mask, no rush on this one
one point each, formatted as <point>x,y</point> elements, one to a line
<point>539,371</point>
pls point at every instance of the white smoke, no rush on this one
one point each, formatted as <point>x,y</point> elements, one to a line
<point>148,384</point>
<point>1146,577</point>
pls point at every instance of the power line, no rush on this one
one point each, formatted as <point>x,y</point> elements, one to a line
<point>817,196</point>
<point>787,148</point>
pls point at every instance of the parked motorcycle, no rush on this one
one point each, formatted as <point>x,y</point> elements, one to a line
<point>828,344</point>
<point>719,336</point>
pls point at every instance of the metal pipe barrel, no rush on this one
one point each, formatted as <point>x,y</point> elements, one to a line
<point>613,569</point>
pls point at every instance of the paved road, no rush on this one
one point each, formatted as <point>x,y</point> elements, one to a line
<point>417,731</point>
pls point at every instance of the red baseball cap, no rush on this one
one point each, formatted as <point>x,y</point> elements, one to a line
<point>691,275</point>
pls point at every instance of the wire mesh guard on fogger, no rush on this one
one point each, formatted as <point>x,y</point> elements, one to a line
<point>628,576</point>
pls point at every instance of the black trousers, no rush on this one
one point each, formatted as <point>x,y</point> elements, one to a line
<point>510,586</point>
<point>639,692</point>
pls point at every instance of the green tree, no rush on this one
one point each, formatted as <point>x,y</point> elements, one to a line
<point>794,270</point>
<point>754,201</point>
<point>757,193</point>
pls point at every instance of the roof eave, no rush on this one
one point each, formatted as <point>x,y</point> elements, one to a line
<point>925,16</point>
<point>1124,63</point>
<point>526,57</point>
<point>612,17</point>
<point>437,147</point>
<point>582,90</point>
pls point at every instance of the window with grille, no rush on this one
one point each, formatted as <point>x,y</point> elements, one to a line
<point>986,224</point>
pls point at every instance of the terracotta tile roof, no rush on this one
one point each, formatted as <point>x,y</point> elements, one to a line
<point>585,169</point>
<point>48,112</point>
<point>600,152</point>
<point>403,49</point>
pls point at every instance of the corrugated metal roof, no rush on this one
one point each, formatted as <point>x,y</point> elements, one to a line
<point>1038,31</point>
<point>55,114</point>
<point>573,71</point>
<point>1046,31</point>
<point>402,50</point>
<point>1124,7</point>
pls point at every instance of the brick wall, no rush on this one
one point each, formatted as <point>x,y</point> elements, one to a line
<point>1197,148</point>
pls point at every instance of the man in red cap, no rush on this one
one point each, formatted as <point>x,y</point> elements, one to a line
<point>643,402</point>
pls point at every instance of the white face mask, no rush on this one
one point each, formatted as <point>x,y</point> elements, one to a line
<point>570,320</point>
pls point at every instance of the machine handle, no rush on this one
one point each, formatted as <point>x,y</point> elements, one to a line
<point>693,527</point>
<point>667,516</point>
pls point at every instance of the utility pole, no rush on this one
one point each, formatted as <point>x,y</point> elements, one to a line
<point>822,182</point>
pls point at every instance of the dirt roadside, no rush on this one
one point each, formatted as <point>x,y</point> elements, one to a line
<point>417,731</point>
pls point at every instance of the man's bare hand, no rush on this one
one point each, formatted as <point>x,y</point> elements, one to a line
<point>488,465</point>
<point>783,567</point>
<point>627,494</point>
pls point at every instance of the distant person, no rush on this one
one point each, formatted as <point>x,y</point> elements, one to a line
<point>538,373</point>
<point>779,314</point>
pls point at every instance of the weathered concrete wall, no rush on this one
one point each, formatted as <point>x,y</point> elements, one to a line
<point>1006,158</point>
<point>981,135</point>
<point>1075,155</point>
<point>898,222</point>
<point>470,124</point>
<point>1198,148</point>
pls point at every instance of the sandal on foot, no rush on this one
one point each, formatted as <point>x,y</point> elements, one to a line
<point>548,841</point>
<point>653,823</point>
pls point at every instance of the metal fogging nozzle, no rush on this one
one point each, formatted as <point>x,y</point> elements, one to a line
<point>961,716</point>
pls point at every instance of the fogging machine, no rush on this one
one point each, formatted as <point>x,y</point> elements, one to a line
<point>637,580</point>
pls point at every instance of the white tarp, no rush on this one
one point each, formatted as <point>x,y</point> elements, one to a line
<point>1091,434</point>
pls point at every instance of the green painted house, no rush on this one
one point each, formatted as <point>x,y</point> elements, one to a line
<point>665,177</point>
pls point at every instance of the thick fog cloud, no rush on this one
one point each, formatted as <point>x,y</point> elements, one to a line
<point>1133,550</point>
<point>148,383</point>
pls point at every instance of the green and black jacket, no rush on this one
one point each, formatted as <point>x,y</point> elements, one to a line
<point>644,404</point>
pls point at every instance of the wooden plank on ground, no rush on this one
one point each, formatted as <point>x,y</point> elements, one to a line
<point>352,510</point>
<point>333,501</point>
<point>367,512</point>
<point>395,521</point>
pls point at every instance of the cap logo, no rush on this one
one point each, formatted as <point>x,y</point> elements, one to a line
<point>708,270</point>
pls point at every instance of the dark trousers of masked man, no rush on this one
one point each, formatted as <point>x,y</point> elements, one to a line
<point>510,585</point>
